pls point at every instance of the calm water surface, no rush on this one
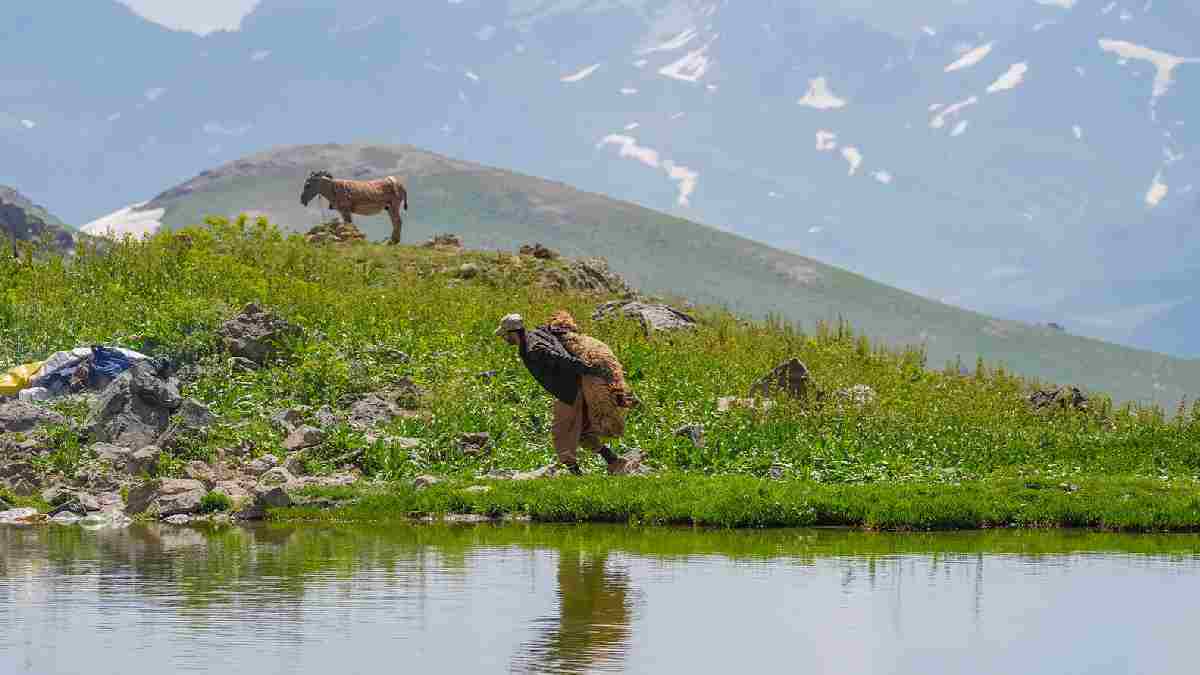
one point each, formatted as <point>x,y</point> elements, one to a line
<point>535,598</point>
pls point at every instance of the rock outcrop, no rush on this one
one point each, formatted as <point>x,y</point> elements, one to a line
<point>134,410</point>
<point>1062,397</point>
<point>257,334</point>
<point>791,377</point>
<point>653,317</point>
<point>22,417</point>
<point>334,232</point>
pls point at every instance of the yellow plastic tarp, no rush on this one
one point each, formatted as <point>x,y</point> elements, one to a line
<point>18,378</point>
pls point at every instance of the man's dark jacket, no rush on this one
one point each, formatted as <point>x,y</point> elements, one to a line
<point>553,366</point>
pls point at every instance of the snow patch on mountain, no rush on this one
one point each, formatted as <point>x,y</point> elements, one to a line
<point>154,93</point>
<point>1157,192</point>
<point>854,158</point>
<point>1009,80</point>
<point>684,176</point>
<point>581,75</point>
<point>628,91</point>
<point>130,220</point>
<point>1163,62</point>
<point>1078,131</point>
<point>971,58</point>
<point>693,66</point>
<point>677,42</point>
<point>960,128</point>
<point>260,55</point>
<point>819,96</point>
<point>883,177</point>
<point>951,110</point>
<point>1065,4</point>
<point>28,124</point>
<point>826,141</point>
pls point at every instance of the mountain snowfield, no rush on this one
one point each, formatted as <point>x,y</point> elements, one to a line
<point>1032,159</point>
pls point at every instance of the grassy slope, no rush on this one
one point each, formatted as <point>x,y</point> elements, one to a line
<point>934,449</point>
<point>660,253</point>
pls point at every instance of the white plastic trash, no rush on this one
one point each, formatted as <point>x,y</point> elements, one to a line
<point>34,394</point>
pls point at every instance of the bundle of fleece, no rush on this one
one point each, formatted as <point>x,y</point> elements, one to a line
<point>607,402</point>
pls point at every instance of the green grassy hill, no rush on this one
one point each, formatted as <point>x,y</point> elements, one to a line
<point>927,449</point>
<point>496,209</point>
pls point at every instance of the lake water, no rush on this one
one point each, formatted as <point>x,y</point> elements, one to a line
<point>538,598</point>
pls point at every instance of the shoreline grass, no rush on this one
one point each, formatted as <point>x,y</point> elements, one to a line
<point>1101,503</point>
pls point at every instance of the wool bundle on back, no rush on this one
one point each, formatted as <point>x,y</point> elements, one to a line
<point>608,403</point>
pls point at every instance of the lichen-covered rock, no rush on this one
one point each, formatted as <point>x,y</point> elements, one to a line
<point>303,437</point>
<point>166,497</point>
<point>1062,397</point>
<point>126,460</point>
<point>21,417</point>
<point>289,419</point>
<point>653,317</point>
<point>276,476</point>
<point>261,465</point>
<point>134,410</point>
<point>791,377</point>
<point>194,416</point>
<point>256,334</point>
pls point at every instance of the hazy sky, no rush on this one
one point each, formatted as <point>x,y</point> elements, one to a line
<point>198,16</point>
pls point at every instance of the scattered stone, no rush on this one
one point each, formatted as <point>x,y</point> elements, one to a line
<point>445,241</point>
<point>237,494</point>
<point>538,251</point>
<point>792,377</point>
<point>128,461</point>
<point>1063,397</point>
<point>335,231</point>
<point>57,494</point>
<point>588,275</point>
<point>325,417</point>
<point>475,444</point>
<point>276,476</point>
<point>256,334</point>
<point>294,464</point>
<point>197,470</point>
<point>21,417</point>
<point>776,472</point>
<point>487,375</point>
<point>25,484</point>
<point>303,437</point>
<point>65,518</point>
<point>727,403</point>
<point>95,475</point>
<point>289,419</point>
<point>134,410</point>
<point>692,432</point>
<point>178,519</point>
<point>22,515</point>
<point>653,317</point>
<point>241,364</point>
<point>549,471</point>
<point>384,406</point>
<point>860,395</point>
<point>90,503</point>
<point>1069,487</point>
<point>275,496</point>
<point>467,271</point>
<point>478,489</point>
<point>629,464</point>
<point>166,496</point>
<point>422,482</point>
<point>261,465</point>
<point>195,416</point>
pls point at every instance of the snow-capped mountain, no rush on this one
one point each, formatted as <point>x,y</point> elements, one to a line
<point>1029,158</point>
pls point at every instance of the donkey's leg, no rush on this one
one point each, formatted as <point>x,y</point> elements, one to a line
<point>393,210</point>
<point>346,217</point>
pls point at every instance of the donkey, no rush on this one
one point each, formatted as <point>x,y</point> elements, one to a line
<point>364,197</point>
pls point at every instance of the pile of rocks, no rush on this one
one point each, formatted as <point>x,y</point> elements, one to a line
<point>334,232</point>
<point>538,251</point>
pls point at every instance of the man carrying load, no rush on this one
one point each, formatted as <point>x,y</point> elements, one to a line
<point>587,383</point>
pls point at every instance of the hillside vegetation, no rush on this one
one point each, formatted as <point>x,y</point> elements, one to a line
<point>374,315</point>
<point>497,209</point>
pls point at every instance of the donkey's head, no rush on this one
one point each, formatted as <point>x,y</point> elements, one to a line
<point>317,184</point>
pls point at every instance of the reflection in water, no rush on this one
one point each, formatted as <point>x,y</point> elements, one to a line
<point>593,626</point>
<point>532,598</point>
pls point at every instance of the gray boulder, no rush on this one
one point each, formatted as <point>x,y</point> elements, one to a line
<point>194,416</point>
<point>21,417</point>
<point>134,410</point>
<point>127,460</point>
<point>303,437</point>
<point>166,497</point>
<point>791,377</point>
<point>692,432</point>
<point>653,317</point>
<point>256,334</point>
<point>475,444</point>
<point>261,465</point>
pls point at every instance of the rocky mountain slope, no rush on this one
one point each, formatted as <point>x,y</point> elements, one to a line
<point>659,253</point>
<point>23,220</point>
<point>1032,159</point>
